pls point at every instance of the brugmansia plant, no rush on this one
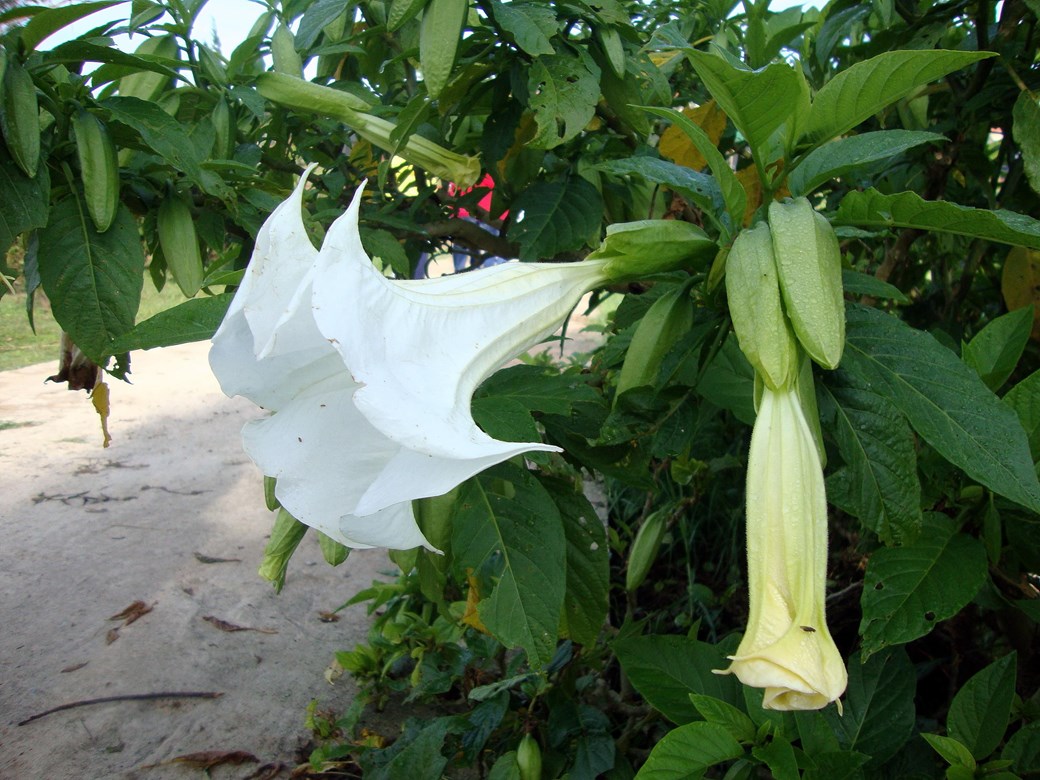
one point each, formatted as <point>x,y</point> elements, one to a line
<point>781,520</point>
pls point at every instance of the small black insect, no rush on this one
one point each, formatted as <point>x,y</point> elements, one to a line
<point>808,629</point>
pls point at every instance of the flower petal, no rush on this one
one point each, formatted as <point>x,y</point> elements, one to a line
<point>420,349</point>
<point>324,455</point>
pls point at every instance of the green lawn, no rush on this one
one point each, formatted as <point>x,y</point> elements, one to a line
<point>19,346</point>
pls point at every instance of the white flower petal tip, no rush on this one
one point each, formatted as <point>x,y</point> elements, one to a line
<point>369,380</point>
<point>787,649</point>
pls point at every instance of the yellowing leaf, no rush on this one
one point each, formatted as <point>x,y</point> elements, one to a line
<point>1020,282</point>
<point>99,397</point>
<point>471,617</point>
<point>677,146</point>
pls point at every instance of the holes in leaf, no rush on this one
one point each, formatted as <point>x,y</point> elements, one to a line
<point>929,616</point>
<point>879,586</point>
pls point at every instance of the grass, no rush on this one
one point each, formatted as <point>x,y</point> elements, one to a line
<point>19,346</point>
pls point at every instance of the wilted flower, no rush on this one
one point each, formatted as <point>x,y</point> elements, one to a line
<point>370,379</point>
<point>787,649</point>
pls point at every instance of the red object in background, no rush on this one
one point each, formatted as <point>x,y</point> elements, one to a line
<point>484,203</point>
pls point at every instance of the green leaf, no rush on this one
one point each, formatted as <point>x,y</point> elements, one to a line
<point>838,765</point>
<point>698,187</point>
<point>907,590</point>
<point>383,244</point>
<point>332,551</point>
<point>879,712</point>
<point>733,192</point>
<point>23,201</point>
<point>554,217</point>
<point>315,19</point>
<point>49,21</point>
<point>865,88</point>
<point>757,101</point>
<point>981,709</point>
<point>857,283</point>
<point>909,210</point>
<point>688,750</point>
<point>665,669</point>
<point>92,279</point>
<point>194,320</point>
<point>168,138</point>
<point>530,25</point>
<point>504,419</point>
<point>1024,399</point>
<point>778,755</point>
<point>713,710</point>
<point>1025,129</point>
<point>843,156</point>
<point>945,401</point>
<point>878,483</point>
<point>588,564</point>
<point>84,51</point>
<point>1023,749</point>
<point>524,530</point>
<point>563,95</point>
<point>417,753</point>
<point>952,751</point>
<point>729,382</point>
<point>995,350</point>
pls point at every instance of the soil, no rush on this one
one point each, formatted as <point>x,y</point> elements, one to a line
<point>169,518</point>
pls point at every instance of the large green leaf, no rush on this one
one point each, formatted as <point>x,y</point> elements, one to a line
<point>758,101</point>
<point>194,320</point>
<point>872,209</point>
<point>168,138</point>
<point>847,154</point>
<point>1024,399</point>
<point>666,669</point>
<point>525,531</point>
<point>980,711</point>
<point>92,279</point>
<point>588,564</point>
<point>1026,130</point>
<point>49,21</point>
<point>879,707</point>
<point>878,483</point>
<point>945,401</point>
<point>862,90</point>
<point>698,187</point>
<point>995,350</point>
<point>556,217</point>
<point>1023,749</point>
<point>907,590</point>
<point>23,201</point>
<point>733,192</point>
<point>563,93</point>
<point>530,24</point>
<point>686,751</point>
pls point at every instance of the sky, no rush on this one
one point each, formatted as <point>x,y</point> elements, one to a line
<point>231,20</point>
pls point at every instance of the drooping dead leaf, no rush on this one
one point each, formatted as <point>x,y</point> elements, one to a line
<point>1020,282</point>
<point>207,759</point>
<point>677,146</point>
<point>75,368</point>
<point>224,625</point>
<point>209,559</point>
<point>137,609</point>
<point>99,397</point>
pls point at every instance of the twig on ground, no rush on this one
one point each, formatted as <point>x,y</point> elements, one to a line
<point>126,697</point>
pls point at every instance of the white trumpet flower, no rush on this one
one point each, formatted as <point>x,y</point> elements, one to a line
<point>787,648</point>
<point>368,379</point>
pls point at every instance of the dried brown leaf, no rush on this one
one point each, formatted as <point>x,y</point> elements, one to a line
<point>136,610</point>
<point>224,625</point>
<point>207,759</point>
<point>210,559</point>
<point>75,667</point>
<point>111,636</point>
